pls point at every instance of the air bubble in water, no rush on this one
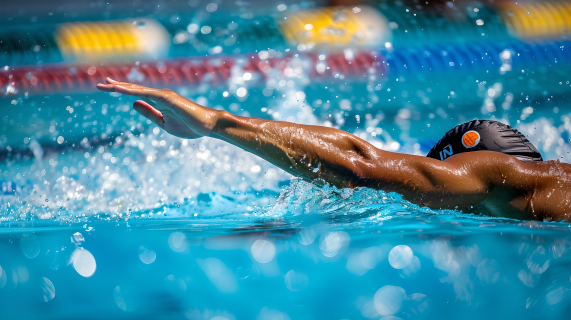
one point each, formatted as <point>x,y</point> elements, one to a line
<point>263,251</point>
<point>177,241</point>
<point>296,281</point>
<point>331,243</point>
<point>147,256</point>
<point>464,288</point>
<point>400,257</point>
<point>10,280</point>
<point>211,7</point>
<point>388,300</point>
<point>3,277</point>
<point>30,245</point>
<point>449,271</point>
<point>83,262</point>
<point>412,269</point>
<point>306,236</point>
<point>77,238</point>
<point>48,290</point>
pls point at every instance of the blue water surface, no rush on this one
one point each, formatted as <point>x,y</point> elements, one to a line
<point>103,215</point>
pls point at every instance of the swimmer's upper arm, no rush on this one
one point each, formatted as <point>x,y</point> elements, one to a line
<point>460,181</point>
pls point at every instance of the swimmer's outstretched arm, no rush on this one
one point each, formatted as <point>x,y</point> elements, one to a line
<point>334,156</point>
<point>310,152</point>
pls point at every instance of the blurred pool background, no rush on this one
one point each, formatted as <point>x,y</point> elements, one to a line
<point>103,215</point>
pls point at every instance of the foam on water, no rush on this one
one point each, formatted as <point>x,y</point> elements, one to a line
<point>146,173</point>
<point>158,176</point>
<point>155,175</point>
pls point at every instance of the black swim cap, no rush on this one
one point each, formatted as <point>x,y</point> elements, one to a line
<point>477,135</point>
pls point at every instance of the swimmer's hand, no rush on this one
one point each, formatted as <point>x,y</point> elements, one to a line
<point>167,109</point>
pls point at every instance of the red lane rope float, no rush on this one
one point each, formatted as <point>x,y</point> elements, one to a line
<point>213,70</point>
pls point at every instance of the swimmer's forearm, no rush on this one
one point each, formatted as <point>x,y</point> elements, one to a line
<point>310,152</point>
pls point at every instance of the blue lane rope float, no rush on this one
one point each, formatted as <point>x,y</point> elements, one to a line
<point>479,57</point>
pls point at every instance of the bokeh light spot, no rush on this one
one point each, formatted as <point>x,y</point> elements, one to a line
<point>400,256</point>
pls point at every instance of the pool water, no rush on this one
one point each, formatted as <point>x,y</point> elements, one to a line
<point>106,216</point>
<point>103,215</point>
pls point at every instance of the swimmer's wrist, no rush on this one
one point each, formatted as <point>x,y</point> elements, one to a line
<point>230,127</point>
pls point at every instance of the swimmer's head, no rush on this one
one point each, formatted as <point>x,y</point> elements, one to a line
<point>477,135</point>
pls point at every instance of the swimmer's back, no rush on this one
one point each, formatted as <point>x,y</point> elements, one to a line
<point>551,196</point>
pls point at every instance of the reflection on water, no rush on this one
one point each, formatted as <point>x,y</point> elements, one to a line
<point>405,267</point>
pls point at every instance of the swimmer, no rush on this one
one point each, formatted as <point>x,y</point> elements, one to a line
<point>478,167</point>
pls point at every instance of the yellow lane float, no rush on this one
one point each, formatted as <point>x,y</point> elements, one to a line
<point>101,41</point>
<point>336,27</point>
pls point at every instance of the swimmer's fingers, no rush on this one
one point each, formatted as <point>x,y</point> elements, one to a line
<point>106,87</point>
<point>109,87</point>
<point>132,89</point>
<point>147,111</point>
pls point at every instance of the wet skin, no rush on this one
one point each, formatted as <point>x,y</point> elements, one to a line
<point>480,182</point>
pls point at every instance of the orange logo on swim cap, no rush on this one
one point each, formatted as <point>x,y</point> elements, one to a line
<point>470,139</point>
